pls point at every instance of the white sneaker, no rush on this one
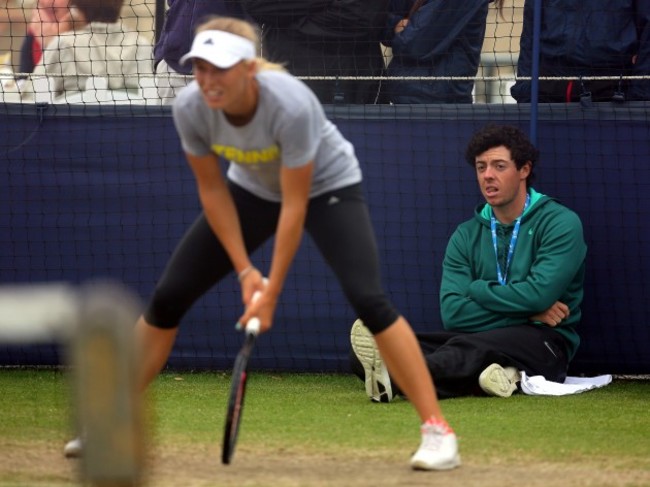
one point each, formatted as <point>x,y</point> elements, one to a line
<point>439,448</point>
<point>499,381</point>
<point>73,448</point>
<point>378,385</point>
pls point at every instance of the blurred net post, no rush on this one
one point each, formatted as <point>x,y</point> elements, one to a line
<point>94,326</point>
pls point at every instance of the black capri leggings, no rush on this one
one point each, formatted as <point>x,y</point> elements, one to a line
<point>338,222</point>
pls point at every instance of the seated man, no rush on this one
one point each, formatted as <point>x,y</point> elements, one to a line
<point>512,284</point>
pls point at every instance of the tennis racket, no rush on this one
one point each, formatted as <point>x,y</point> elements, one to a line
<point>238,389</point>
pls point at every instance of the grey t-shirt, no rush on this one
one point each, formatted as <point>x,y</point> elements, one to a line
<point>288,128</point>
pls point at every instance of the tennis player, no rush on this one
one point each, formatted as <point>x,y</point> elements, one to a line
<point>290,169</point>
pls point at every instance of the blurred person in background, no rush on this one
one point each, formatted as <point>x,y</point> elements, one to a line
<point>43,25</point>
<point>82,39</point>
<point>432,38</point>
<point>325,38</point>
<point>609,38</point>
<point>181,20</point>
<point>135,16</point>
<point>14,16</point>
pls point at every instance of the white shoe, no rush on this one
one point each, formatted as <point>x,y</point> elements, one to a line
<point>73,448</point>
<point>378,385</point>
<point>439,448</point>
<point>499,381</point>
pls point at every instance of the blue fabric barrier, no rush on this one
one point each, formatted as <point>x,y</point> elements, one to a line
<point>105,192</point>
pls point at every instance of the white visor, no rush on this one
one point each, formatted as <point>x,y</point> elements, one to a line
<point>220,48</point>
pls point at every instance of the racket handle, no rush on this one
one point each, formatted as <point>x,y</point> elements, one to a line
<point>253,325</point>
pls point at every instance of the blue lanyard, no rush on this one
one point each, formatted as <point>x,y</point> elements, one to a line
<point>502,276</point>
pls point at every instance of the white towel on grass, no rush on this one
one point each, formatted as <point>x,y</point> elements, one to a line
<point>537,385</point>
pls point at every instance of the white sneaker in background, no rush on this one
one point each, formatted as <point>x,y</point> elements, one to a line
<point>73,448</point>
<point>378,385</point>
<point>499,381</point>
<point>439,448</point>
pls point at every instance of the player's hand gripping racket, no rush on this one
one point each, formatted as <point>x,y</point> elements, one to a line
<point>238,389</point>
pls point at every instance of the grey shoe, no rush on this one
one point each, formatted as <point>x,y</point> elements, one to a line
<point>499,381</point>
<point>378,385</point>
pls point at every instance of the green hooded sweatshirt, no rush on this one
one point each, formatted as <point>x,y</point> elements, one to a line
<point>548,265</point>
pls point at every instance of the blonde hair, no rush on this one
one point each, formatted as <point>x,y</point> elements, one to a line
<point>243,29</point>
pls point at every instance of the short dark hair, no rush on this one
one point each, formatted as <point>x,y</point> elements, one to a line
<point>514,139</point>
<point>107,11</point>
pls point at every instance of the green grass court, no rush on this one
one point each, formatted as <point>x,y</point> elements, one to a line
<point>291,421</point>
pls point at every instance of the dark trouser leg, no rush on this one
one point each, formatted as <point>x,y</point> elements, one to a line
<point>457,359</point>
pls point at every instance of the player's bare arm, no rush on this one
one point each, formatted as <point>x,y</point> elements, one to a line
<point>219,208</point>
